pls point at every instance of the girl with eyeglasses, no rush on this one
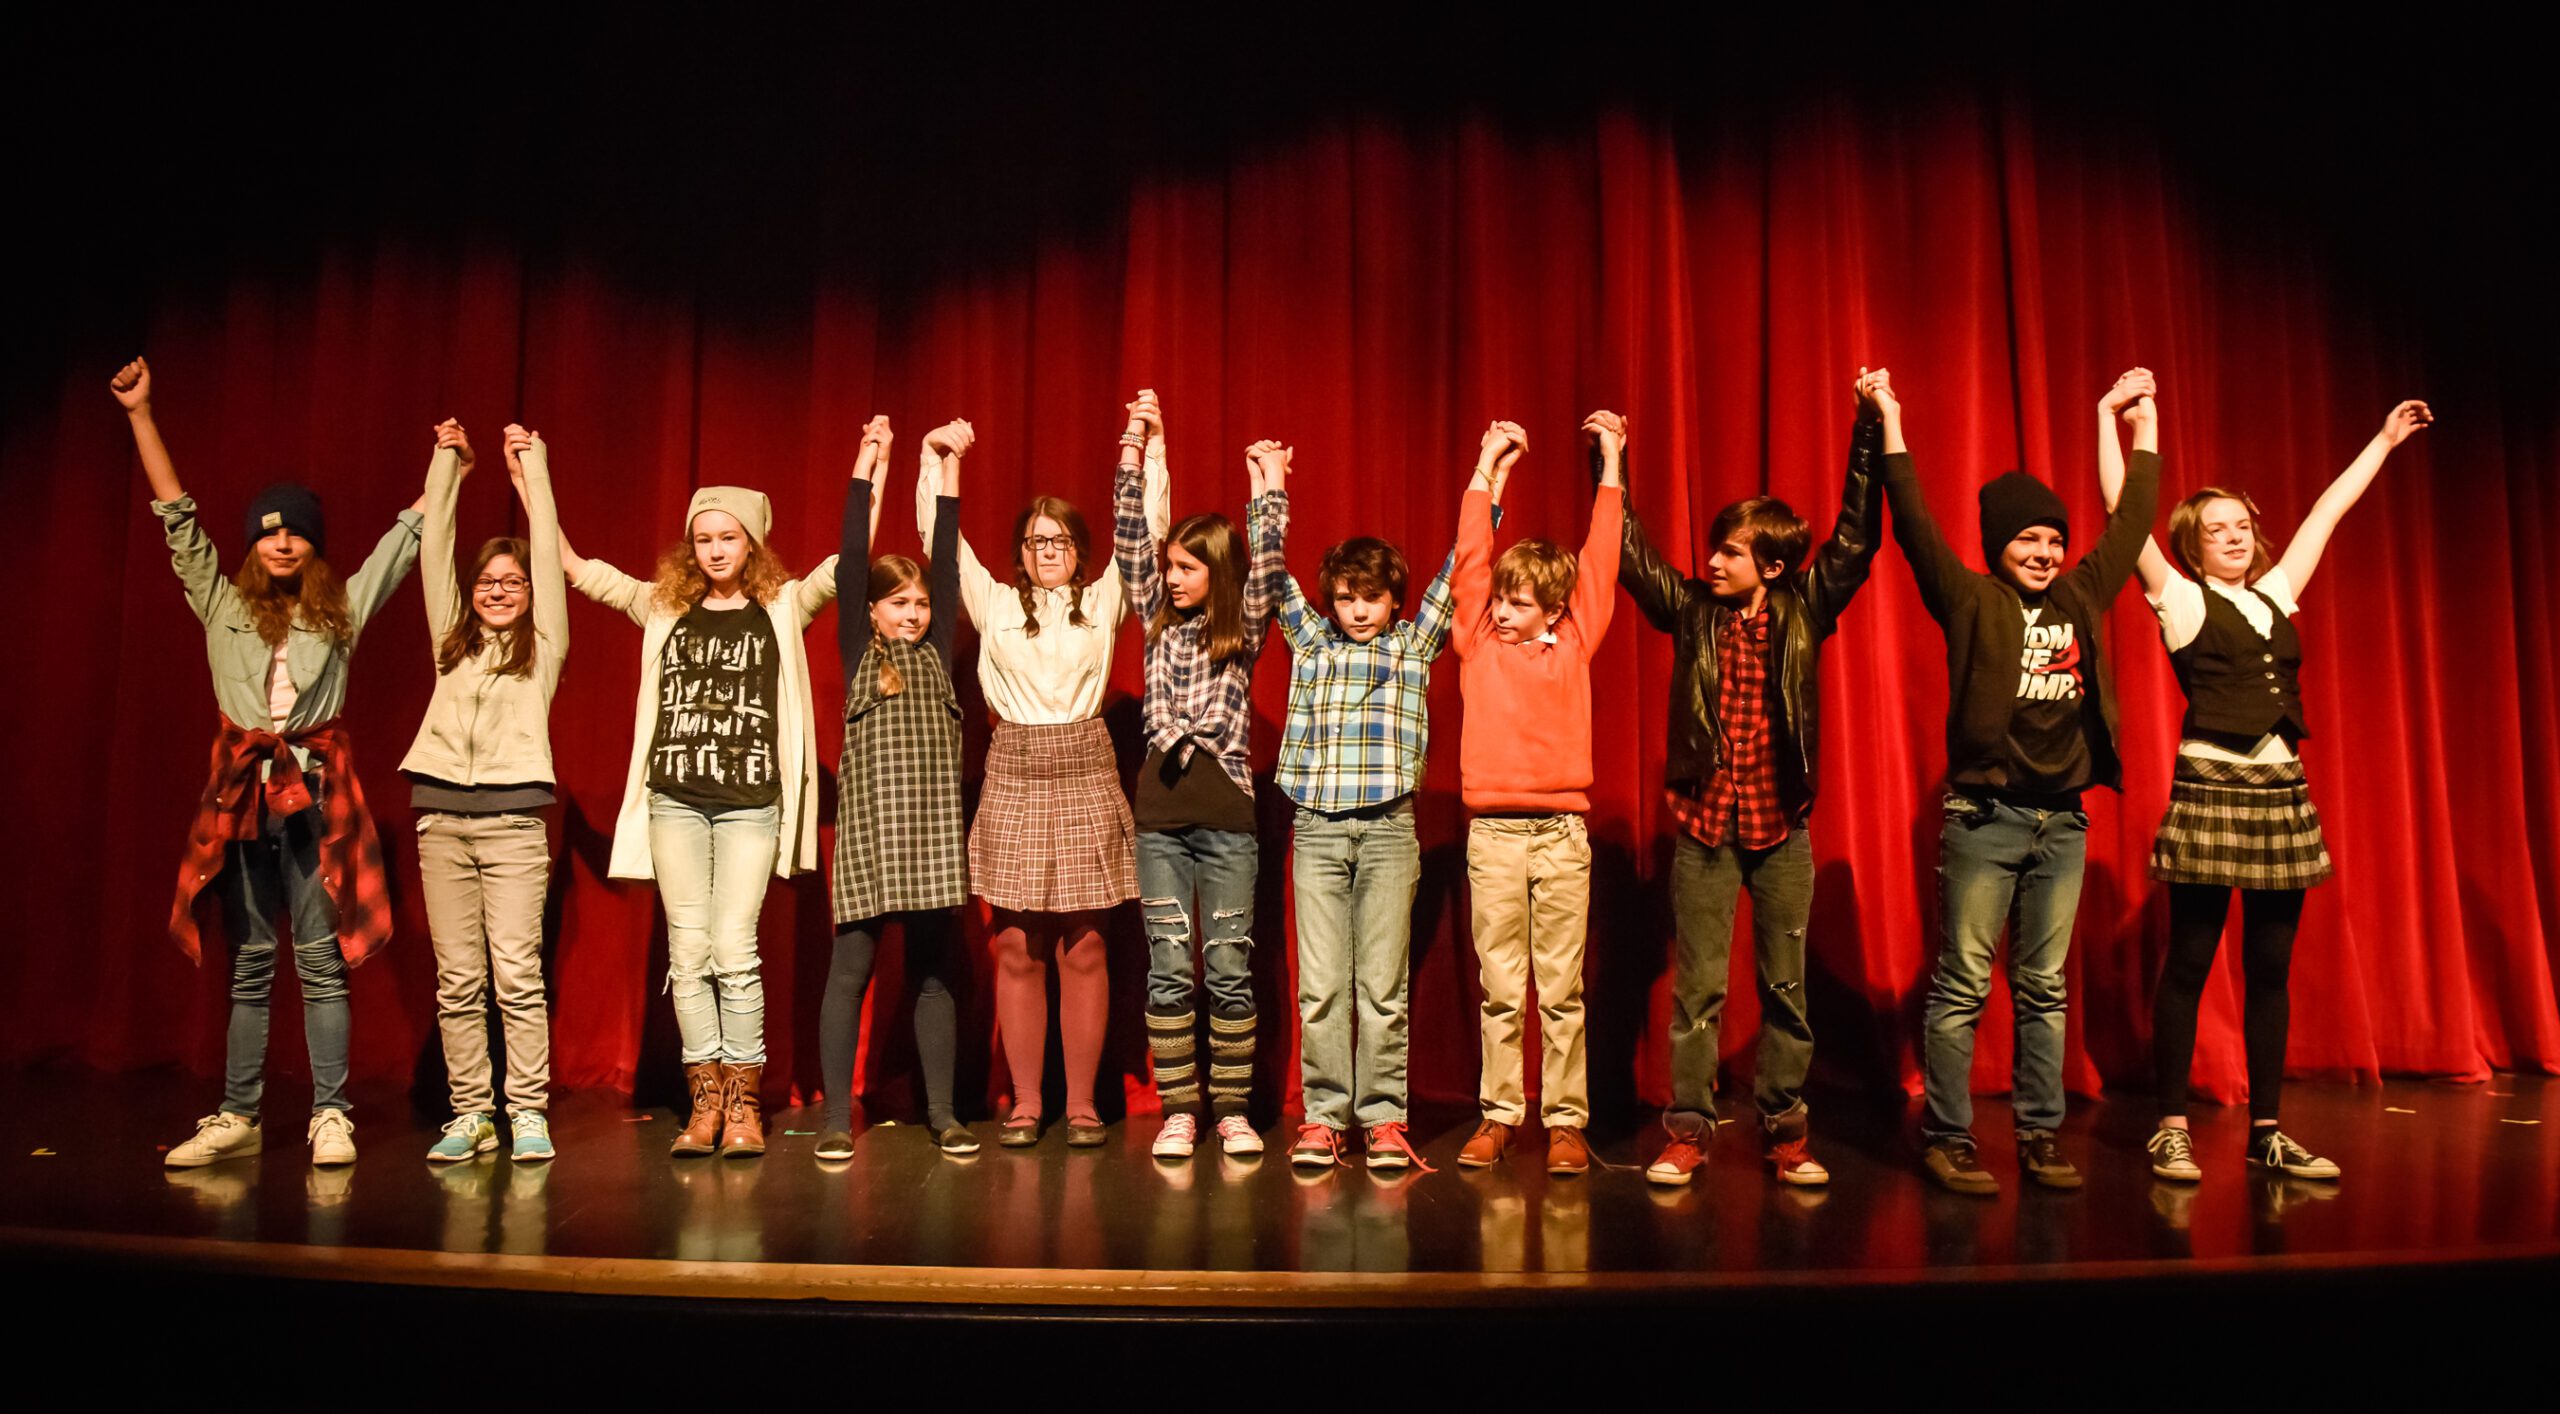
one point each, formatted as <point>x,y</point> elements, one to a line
<point>1053,844</point>
<point>479,779</point>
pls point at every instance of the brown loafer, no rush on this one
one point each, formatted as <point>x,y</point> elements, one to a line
<point>1566,1150</point>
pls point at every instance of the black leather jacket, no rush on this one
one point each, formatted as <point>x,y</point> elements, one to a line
<point>1803,611</point>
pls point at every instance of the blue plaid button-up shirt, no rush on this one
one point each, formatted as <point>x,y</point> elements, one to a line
<point>1359,719</point>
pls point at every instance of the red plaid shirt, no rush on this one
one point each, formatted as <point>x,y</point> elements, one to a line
<point>233,808</point>
<point>1740,804</point>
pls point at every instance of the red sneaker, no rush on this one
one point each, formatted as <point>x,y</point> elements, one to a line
<point>1319,1146</point>
<point>1681,1159</point>
<point>1390,1148</point>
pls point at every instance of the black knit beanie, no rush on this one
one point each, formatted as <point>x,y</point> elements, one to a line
<point>287,506</point>
<point>2011,503</point>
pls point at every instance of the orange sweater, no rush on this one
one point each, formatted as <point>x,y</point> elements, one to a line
<point>1525,744</point>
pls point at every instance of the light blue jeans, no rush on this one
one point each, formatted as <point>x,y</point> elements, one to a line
<point>279,873</point>
<point>1355,879</point>
<point>1195,887</point>
<point>1994,859</point>
<point>712,871</point>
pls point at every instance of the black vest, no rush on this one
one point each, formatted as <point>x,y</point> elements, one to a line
<point>2240,686</point>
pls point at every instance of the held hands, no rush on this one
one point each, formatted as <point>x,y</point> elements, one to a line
<point>1266,467</point>
<point>132,386</point>
<point>1501,446</point>
<point>951,439</point>
<point>1609,429</point>
<point>876,439</point>
<point>2405,420</point>
<point>449,433</point>
<point>1146,417</point>
<point>2134,397</point>
<point>518,442</point>
<point>1874,389</point>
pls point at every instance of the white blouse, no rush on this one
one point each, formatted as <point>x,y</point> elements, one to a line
<point>2180,609</point>
<point>1059,676</point>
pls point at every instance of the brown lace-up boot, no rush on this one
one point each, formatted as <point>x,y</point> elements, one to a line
<point>742,1113</point>
<point>701,1132</point>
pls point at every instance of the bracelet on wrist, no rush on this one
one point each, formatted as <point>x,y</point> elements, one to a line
<point>1133,439</point>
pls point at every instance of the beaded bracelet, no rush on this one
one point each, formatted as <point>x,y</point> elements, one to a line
<point>1133,439</point>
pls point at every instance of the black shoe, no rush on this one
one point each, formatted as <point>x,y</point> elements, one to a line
<point>1020,1132</point>
<point>834,1145</point>
<point>952,1137</point>
<point>2269,1148</point>
<point>1956,1167</point>
<point>1085,1132</point>
<point>2040,1156</point>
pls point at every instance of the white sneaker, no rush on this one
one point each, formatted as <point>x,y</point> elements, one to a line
<point>333,1137</point>
<point>1236,1136</point>
<point>1179,1134</point>
<point>218,1136</point>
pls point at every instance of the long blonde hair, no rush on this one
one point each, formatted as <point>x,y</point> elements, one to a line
<point>889,574</point>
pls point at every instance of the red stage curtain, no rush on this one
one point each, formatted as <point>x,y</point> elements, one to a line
<point>1373,290</point>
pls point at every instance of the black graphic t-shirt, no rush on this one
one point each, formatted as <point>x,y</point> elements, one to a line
<point>717,684</point>
<point>2048,747</point>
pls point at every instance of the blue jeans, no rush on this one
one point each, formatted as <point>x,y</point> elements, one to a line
<point>1355,880</point>
<point>712,871</point>
<point>1994,857</point>
<point>280,873</point>
<point>1214,869</point>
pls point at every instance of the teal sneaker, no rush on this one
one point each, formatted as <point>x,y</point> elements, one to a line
<point>464,1136</point>
<point>533,1137</point>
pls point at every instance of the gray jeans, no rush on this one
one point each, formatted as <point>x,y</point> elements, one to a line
<point>280,873</point>
<point>1704,885</point>
<point>1355,877</point>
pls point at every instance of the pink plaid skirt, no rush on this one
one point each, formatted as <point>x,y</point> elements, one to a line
<point>1053,833</point>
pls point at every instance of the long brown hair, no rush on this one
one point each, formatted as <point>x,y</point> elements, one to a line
<point>681,583</point>
<point>1071,521</point>
<point>1213,541</point>
<point>2186,533</point>
<point>516,641</point>
<point>316,599</point>
<point>889,574</point>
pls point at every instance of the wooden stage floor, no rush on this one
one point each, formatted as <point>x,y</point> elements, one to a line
<point>2434,1174</point>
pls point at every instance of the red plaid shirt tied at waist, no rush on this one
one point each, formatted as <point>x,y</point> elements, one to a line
<point>1739,805</point>
<point>237,804</point>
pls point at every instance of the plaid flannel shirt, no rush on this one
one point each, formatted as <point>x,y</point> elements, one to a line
<point>1190,701</point>
<point>1359,713</point>
<point>1741,803</point>
<point>254,776</point>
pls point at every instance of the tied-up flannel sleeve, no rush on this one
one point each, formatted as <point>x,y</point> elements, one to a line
<point>1267,527</point>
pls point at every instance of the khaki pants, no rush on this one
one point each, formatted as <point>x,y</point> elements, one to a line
<point>1530,882</point>
<point>485,877</point>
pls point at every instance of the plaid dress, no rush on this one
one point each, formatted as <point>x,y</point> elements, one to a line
<point>899,845</point>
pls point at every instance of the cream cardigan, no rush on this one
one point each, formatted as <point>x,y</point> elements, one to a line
<point>792,608</point>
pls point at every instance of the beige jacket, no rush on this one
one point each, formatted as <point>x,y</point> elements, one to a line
<point>484,727</point>
<point>791,610</point>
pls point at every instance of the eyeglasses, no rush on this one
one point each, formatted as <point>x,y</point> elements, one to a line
<point>1037,543</point>
<point>511,584</point>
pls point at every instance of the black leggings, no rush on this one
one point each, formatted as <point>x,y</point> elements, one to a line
<point>2268,918</point>
<point>930,937</point>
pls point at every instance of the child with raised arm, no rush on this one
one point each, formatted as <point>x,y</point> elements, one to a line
<point>722,794</point>
<point>900,853</point>
<point>1206,599</point>
<point>2031,724</point>
<point>1052,844</point>
<point>1738,776</point>
<point>479,779</point>
<point>1351,759</point>
<point>1527,627</point>
<point>281,826</point>
<point>2240,815</point>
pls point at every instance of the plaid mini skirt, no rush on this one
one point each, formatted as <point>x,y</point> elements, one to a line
<point>1053,832</point>
<point>2244,825</point>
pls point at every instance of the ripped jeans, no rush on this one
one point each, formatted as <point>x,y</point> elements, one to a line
<point>1195,889</point>
<point>1704,883</point>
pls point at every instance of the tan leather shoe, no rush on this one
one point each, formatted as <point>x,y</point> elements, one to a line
<point>1567,1152</point>
<point>1486,1145</point>
<point>742,1116</point>
<point>701,1132</point>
